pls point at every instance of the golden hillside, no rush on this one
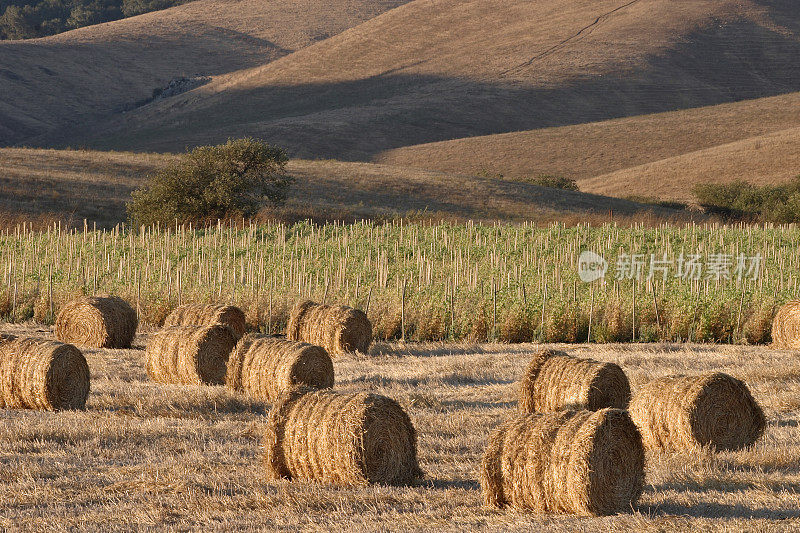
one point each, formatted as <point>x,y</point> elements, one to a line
<point>78,184</point>
<point>81,76</point>
<point>430,71</point>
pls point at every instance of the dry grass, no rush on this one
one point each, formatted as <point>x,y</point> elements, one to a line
<point>84,75</point>
<point>73,185</point>
<point>751,140</point>
<point>159,456</point>
<point>764,160</point>
<point>434,71</point>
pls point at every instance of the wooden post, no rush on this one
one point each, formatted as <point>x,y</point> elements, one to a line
<point>403,314</point>
<point>369,298</point>
<point>591,313</point>
<point>138,293</point>
<point>269,316</point>
<point>655,306</point>
<point>633,313</point>
<point>50,291</point>
<point>494,311</point>
<point>739,316</point>
<point>544,306</point>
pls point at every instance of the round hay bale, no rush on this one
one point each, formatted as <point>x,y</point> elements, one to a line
<point>190,355</point>
<point>786,327</point>
<point>206,315</point>
<point>97,322</point>
<point>588,463</point>
<point>42,374</point>
<point>337,328</point>
<point>683,413</point>
<point>345,439</point>
<point>266,367</point>
<point>555,381</point>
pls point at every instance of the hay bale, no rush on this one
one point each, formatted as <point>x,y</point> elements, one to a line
<point>266,367</point>
<point>786,327</point>
<point>555,381</point>
<point>42,374</point>
<point>337,328</point>
<point>190,355</point>
<point>97,322</point>
<point>577,462</point>
<point>346,439</point>
<point>206,315</point>
<point>683,413</point>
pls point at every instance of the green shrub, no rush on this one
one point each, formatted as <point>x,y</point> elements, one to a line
<point>553,182</point>
<point>213,182</point>
<point>742,201</point>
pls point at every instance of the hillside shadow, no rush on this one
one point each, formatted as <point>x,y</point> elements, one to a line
<point>355,120</point>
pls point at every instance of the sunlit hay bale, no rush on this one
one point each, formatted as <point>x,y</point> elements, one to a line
<point>42,374</point>
<point>555,380</point>
<point>577,462</point>
<point>206,315</point>
<point>684,413</point>
<point>266,367</point>
<point>786,327</point>
<point>97,322</point>
<point>345,439</point>
<point>190,355</point>
<point>337,328</point>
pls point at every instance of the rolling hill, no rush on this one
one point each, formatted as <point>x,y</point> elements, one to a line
<point>764,160</point>
<point>79,77</point>
<point>73,185</point>
<point>446,69</point>
<point>585,151</point>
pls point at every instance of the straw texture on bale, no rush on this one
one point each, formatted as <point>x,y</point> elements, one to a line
<point>555,381</point>
<point>683,413</point>
<point>266,367</point>
<point>42,374</point>
<point>97,322</point>
<point>786,327</point>
<point>190,355</point>
<point>344,439</point>
<point>207,315</point>
<point>588,463</point>
<point>337,328</point>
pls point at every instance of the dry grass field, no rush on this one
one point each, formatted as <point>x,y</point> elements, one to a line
<point>151,456</point>
<point>73,185</point>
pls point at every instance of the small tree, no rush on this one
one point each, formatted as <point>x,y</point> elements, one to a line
<point>553,182</point>
<point>211,182</point>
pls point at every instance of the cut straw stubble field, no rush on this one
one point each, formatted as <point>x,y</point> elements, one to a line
<point>153,456</point>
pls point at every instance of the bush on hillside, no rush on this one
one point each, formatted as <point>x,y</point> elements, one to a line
<point>742,201</point>
<point>554,182</point>
<point>26,19</point>
<point>213,182</point>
